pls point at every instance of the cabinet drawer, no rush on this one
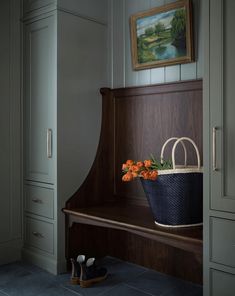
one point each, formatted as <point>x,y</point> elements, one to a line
<point>39,201</point>
<point>223,241</point>
<point>39,234</point>
<point>223,283</point>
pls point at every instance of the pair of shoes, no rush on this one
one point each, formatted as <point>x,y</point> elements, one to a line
<point>86,273</point>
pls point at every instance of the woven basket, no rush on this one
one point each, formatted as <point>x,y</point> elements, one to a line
<point>175,198</point>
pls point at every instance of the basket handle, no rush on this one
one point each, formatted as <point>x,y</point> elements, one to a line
<point>165,144</point>
<point>194,145</point>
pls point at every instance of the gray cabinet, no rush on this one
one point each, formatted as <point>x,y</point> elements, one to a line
<point>219,144</point>
<point>64,68</point>
<point>39,98</point>
<point>222,105</point>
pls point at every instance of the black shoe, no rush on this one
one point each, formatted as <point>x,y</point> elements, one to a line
<point>90,274</point>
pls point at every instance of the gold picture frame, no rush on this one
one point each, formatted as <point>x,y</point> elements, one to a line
<point>162,36</point>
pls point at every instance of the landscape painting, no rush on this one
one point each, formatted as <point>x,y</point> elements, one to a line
<point>162,36</point>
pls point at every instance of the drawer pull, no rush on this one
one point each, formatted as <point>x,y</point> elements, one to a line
<point>37,234</point>
<point>36,200</point>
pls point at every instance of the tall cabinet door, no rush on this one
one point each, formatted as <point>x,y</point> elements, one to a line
<point>222,105</point>
<point>40,99</point>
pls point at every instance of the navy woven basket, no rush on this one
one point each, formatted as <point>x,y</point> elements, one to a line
<point>175,198</point>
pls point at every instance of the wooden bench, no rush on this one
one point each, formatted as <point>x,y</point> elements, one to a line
<point>108,217</point>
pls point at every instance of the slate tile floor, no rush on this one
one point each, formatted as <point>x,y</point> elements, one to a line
<point>125,279</point>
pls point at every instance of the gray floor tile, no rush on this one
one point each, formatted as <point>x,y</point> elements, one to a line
<point>199,292</point>
<point>29,285</point>
<point>184,288</point>
<point>124,290</point>
<point>10,273</point>
<point>108,260</point>
<point>158,284</point>
<point>29,267</point>
<point>22,279</point>
<point>123,271</point>
<point>3,294</point>
<point>58,291</point>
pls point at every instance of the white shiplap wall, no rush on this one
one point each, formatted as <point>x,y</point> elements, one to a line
<point>121,73</point>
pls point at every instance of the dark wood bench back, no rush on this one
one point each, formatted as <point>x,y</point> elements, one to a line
<point>136,121</point>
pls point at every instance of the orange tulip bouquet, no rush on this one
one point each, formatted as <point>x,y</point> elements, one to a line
<point>147,169</point>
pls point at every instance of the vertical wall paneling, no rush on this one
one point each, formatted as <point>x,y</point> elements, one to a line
<point>120,65</point>
<point>200,32</point>
<point>118,48</point>
<point>110,43</point>
<point>131,77</point>
<point>172,73</point>
<point>189,71</point>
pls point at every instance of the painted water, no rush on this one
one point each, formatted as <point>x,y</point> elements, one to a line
<point>167,51</point>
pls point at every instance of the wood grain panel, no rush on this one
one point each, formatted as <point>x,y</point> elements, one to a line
<point>143,122</point>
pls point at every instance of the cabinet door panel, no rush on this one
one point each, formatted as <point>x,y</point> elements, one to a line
<point>40,98</point>
<point>222,104</point>
<point>223,284</point>
<point>222,241</point>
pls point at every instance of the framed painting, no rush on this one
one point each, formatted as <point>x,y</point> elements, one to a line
<point>162,36</point>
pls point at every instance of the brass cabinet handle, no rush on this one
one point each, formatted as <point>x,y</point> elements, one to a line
<point>49,143</point>
<point>37,234</point>
<point>214,163</point>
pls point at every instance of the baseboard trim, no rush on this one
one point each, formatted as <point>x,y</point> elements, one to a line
<point>10,251</point>
<point>44,262</point>
<point>62,266</point>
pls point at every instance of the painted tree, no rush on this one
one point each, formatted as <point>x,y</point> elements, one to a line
<point>159,28</point>
<point>178,28</point>
<point>149,31</point>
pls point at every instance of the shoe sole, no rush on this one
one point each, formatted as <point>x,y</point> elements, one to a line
<point>75,281</point>
<point>88,283</point>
